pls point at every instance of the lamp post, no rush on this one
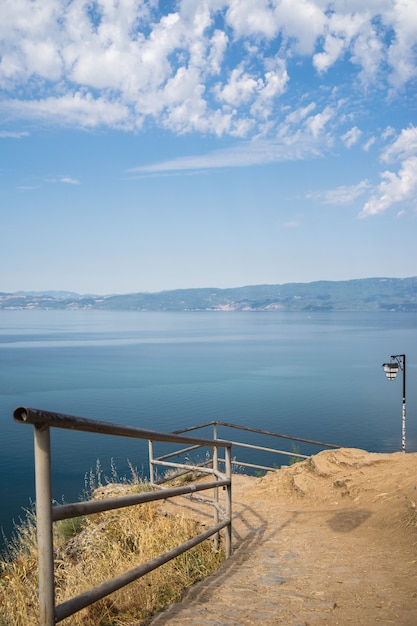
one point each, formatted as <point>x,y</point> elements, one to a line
<point>391,370</point>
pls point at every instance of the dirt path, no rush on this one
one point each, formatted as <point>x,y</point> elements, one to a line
<point>332,540</point>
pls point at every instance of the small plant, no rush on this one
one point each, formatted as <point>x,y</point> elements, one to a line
<point>67,528</point>
<point>295,459</point>
<point>95,479</point>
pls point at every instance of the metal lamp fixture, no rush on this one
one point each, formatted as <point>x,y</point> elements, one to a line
<point>391,370</point>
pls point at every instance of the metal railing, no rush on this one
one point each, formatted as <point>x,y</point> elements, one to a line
<point>46,514</point>
<point>199,467</point>
<point>293,454</point>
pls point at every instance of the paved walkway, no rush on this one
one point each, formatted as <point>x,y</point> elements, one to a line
<point>277,576</point>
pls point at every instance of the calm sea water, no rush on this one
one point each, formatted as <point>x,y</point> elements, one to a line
<point>316,376</point>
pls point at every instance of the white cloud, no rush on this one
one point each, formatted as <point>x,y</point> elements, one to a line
<point>302,21</point>
<point>239,89</point>
<point>310,139</point>
<point>43,59</point>
<point>372,35</point>
<point>333,47</point>
<point>405,145</point>
<point>28,40</point>
<point>72,109</point>
<point>388,132</point>
<point>402,53</point>
<point>296,116</point>
<point>368,53</point>
<point>351,137</point>
<point>317,123</point>
<point>24,188</point>
<point>343,195</point>
<point>67,180</point>
<point>396,186</point>
<point>393,189</point>
<point>369,144</point>
<point>257,90</point>
<point>252,17</point>
<point>217,50</point>
<point>343,30</point>
<point>9,134</point>
<point>242,155</point>
<point>272,84</point>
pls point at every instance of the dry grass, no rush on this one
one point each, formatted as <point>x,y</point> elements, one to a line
<point>103,546</point>
<point>411,518</point>
<point>18,578</point>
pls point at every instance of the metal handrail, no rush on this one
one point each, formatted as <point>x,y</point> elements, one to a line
<point>194,467</point>
<point>184,468</point>
<point>255,430</point>
<point>46,514</point>
<point>294,454</point>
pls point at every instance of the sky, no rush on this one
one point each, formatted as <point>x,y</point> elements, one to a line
<point>148,146</point>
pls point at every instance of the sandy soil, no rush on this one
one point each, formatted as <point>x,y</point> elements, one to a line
<point>332,540</point>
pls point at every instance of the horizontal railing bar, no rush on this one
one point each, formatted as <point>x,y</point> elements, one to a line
<point>183,451</point>
<point>87,507</point>
<point>183,473</point>
<point>256,430</point>
<point>262,467</point>
<point>266,432</point>
<point>189,428</point>
<point>204,470</point>
<point>214,472</point>
<point>101,591</point>
<point>203,500</point>
<point>38,417</point>
<point>261,448</point>
<point>268,468</point>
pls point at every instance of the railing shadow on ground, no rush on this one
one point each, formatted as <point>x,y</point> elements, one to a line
<point>255,532</point>
<point>248,525</point>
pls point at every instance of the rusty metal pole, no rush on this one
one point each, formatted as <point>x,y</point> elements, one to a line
<point>216,491</point>
<point>228,472</point>
<point>44,525</point>
<point>152,479</point>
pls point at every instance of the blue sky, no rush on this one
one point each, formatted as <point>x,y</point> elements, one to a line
<point>153,145</point>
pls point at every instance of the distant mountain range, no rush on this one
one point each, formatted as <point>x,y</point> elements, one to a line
<point>366,294</point>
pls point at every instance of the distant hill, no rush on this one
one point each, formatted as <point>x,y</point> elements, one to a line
<point>365,294</point>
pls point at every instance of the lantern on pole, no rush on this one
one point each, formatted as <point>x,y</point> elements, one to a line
<point>391,370</point>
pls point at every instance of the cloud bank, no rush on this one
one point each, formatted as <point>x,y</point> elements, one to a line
<point>213,67</point>
<point>264,74</point>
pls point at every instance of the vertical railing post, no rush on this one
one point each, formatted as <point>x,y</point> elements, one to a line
<point>216,490</point>
<point>151,463</point>
<point>44,525</point>
<point>228,472</point>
